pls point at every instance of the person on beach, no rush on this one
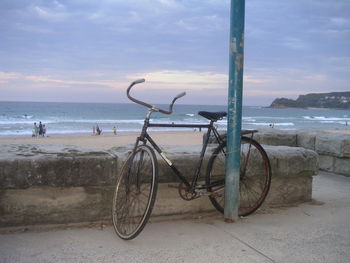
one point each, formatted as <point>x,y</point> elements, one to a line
<point>98,130</point>
<point>93,130</point>
<point>114,129</point>
<point>34,130</point>
<point>44,130</point>
<point>40,129</point>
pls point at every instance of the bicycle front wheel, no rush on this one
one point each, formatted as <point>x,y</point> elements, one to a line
<point>255,176</point>
<point>135,193</point>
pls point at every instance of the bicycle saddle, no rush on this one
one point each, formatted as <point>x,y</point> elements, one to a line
<point>213,116</point>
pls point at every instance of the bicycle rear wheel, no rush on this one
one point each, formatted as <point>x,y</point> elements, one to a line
<point>135,193</point>
<point>255,176</point>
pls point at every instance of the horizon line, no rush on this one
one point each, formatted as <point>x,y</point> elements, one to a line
<point>86,102</point>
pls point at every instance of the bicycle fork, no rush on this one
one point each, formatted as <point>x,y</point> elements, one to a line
<point>127,182</point>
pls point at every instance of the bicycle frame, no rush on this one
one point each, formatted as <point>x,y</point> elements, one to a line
<point>133,203</point>
<point>144,137</point>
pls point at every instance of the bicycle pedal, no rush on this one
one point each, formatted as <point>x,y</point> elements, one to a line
<point>173,186</point>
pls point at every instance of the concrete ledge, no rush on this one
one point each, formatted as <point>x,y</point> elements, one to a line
<point>272,137</point>
<point>333,147</point>
<point>333,144</point>
<point>55,187</point>
<point>23,166</point>
<point>306,139</point>
<point>292,161</point>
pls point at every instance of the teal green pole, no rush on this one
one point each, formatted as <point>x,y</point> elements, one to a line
<point>234,117</point>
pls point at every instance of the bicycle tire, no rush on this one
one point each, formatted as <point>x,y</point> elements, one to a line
<point>137,180</point>
<point>255,176</point>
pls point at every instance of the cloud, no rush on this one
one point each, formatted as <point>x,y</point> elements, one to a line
<point>186,25</point>
<point>33,28</point>
<point>13,76</point>
<point>339,64</point>
<point>182,78</point>
<point>169,3</point>
<point>46,79</point>
<point>6,76</point>
<point>22,87</point>
<point>176,45</point>
<point>210,87</point>
<point>340,21</point>
<point>58,5</point>
<point>203,23</point>
<point>294,43</point>
<point>250,79</point>
<point>290,82</point>
<point>49,14</point>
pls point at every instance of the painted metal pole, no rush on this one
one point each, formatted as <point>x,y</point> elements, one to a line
<point>234,118</point>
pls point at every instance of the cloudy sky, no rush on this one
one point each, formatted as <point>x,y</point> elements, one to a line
<point>88,50</point>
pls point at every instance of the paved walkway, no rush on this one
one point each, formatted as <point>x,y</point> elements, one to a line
<point>314,232</point>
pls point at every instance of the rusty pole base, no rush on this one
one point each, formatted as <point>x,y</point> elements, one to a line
<point>229,220</point>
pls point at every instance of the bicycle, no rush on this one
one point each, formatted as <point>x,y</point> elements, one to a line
<point>136,186</point>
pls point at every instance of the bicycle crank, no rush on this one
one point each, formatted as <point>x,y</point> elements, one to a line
<point>204,192</point>
<point>185,193</point>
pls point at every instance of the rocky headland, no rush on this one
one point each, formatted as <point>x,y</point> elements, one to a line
<point>332,100</point>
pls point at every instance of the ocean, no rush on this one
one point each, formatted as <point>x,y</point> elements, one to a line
<point>17,118</point>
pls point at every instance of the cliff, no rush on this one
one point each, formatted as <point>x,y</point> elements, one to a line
<point>335,100</point>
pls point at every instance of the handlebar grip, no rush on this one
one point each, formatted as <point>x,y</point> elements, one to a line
<point>138,81</point>
<point>148,105</point>
<point>180,95</point>
<point>133,99</point>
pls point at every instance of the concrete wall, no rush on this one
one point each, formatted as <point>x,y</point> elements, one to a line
<point>333,147</point>
<point>50,184</point>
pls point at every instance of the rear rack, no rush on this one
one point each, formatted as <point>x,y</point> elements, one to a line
<point>244,132</point>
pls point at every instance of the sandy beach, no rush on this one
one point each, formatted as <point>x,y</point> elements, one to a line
<point>107,141</point>
<point>104,142</point>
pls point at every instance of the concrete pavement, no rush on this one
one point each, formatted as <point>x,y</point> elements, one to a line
<point>318,231</point>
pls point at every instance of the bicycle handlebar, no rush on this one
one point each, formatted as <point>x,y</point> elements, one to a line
<point>149,105</point>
